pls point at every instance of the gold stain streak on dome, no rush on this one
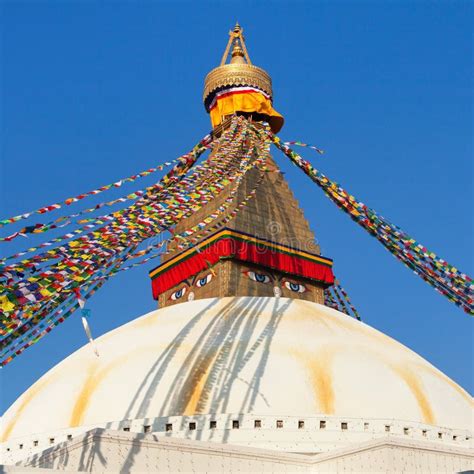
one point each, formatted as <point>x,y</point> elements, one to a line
<point>239,71</point>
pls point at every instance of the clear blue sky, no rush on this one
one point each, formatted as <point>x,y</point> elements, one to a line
<point>95,91</point>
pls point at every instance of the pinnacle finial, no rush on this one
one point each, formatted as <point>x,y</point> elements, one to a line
<point>237,54</point>
<point>239,50</point>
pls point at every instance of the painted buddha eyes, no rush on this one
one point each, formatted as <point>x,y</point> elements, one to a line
<point>297,287</point>
<point>264,278</point>
<point>204,280</point>
<point>255,276</point>
<point>178,293</point>
<point>258,277</point>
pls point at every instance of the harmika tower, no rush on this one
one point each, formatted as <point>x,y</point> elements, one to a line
<point>267,249</point>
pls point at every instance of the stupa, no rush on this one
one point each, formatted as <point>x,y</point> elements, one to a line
<point>243,367</point>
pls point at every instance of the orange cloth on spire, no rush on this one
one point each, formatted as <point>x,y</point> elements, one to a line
<point>227,103</point>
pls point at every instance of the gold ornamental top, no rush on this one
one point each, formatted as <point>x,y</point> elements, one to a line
<point>239,72</point>
<point>240,88</point>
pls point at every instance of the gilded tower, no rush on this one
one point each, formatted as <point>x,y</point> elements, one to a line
<point>272,219</point>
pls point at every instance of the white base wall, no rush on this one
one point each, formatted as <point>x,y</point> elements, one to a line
<point>110,451</point>
<point>296,434</point>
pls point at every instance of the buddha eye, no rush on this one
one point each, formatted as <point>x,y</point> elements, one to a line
<point>178,293</point>
<point>258,277</point>
<point>297,287</point>
<point>204,281</point>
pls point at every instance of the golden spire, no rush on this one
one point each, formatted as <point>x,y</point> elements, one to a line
<point>239,71</point>
<point>236,38</point>
<point>237,86</point>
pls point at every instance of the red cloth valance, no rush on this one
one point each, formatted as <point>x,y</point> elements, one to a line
<point>232,244</point>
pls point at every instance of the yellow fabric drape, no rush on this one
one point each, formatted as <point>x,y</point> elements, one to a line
<point>245,102</point>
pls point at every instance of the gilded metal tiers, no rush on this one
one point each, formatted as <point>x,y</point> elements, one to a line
<point>237,75</point>
<point>239,72</point>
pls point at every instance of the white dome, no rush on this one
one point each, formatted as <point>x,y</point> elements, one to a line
<point>249,355</point>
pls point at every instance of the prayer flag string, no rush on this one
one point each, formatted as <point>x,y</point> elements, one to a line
<point>337,298</point>
<point>205,142</point>
<point>445,278</point>
<point>307,145</point>
<point>182,237</point>
<point>39,295</point>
